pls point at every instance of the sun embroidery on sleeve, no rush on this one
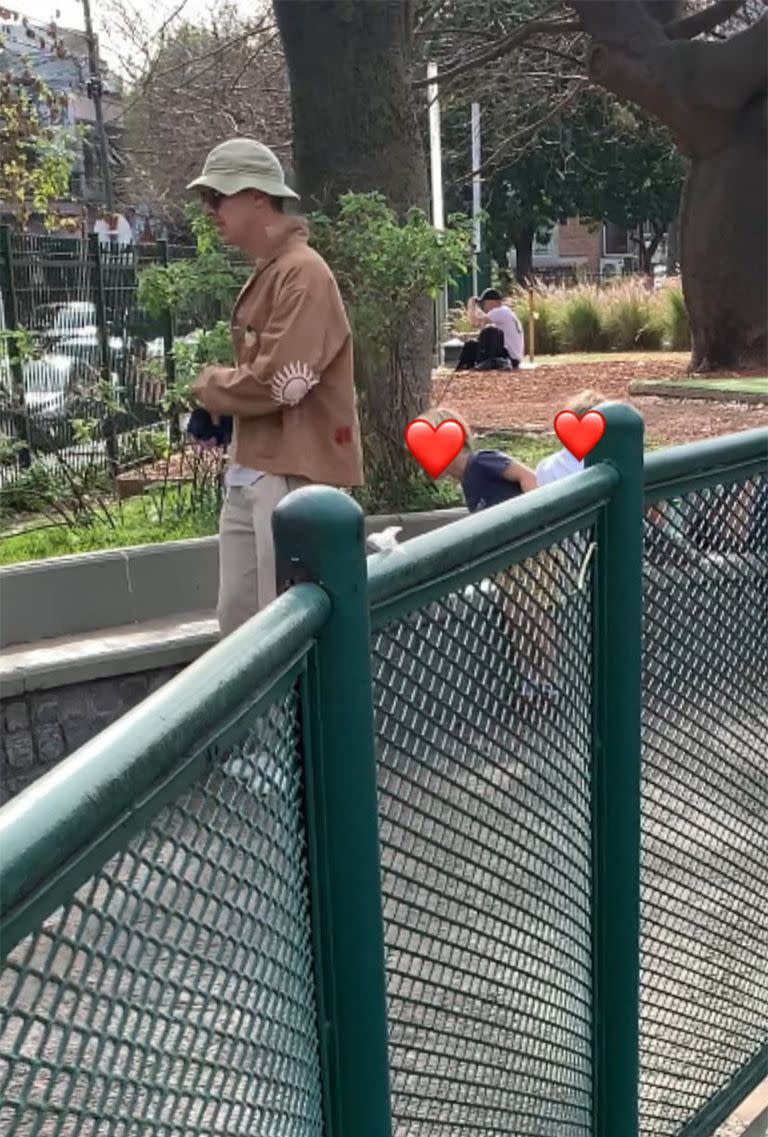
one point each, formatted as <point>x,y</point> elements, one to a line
<point>292,382</point>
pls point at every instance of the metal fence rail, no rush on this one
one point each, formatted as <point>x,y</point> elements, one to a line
<point>387,862</point>
<point>158,973</point>
<point>483,702</point>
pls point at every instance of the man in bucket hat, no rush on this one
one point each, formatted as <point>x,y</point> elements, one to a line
<point>291,392</point>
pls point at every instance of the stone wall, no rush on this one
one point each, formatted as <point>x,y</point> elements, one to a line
<point>38,729</point>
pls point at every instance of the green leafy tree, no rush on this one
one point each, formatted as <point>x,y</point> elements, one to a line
<point>628,171</point>
<point>36,148</point>
<point>602,162</point>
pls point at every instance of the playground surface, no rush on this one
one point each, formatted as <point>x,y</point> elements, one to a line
<point>530,398</point>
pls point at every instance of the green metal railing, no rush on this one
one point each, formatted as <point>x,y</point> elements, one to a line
<point>704,981</point>
<point>387,860</point>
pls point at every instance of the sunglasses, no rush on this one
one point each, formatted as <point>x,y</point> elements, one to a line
<point>212,198</point>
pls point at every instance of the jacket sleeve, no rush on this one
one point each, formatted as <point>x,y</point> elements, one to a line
<point>305,331</point>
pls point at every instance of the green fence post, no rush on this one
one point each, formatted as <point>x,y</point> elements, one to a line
<point>100,305</point>
<point>319,537</point>
<point>617,628</point>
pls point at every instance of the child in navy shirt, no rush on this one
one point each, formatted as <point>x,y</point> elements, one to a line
<point>487,477</point>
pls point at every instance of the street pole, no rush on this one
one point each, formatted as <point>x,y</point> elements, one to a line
<point>94,90</point>
<point>438,208</point>
<point>476,192</point>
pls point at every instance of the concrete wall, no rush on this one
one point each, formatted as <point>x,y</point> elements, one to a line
<point>88,637</point>
<point>68,596</point>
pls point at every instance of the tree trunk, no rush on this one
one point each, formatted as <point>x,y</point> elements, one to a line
<point>723,243</point>
<point>712,95</point>
<point>524,256</point>
<point>673,247</point>
<point>355,129</point>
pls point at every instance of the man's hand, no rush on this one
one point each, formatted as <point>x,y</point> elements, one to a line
<point>475,314</point>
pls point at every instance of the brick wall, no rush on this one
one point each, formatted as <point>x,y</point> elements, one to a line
<point>575,240</point>
<point>39,729</point>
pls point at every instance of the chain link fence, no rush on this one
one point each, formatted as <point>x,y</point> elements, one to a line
<point>174,993</point>
<point>220,967</point>
<point>704,982</point>
<point>483,708</point>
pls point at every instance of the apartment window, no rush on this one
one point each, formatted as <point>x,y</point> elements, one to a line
<point>548,248</point>
<point>616,240</point>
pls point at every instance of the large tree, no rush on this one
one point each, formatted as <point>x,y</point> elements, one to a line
<point>712,95</point>
<point>355,129</point>
<point>701,69</point>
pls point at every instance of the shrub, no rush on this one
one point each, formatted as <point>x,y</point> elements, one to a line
<point>678,325</point>
<point>633,318</point>
<point>546,304</point>
<point>580,319</point>
<point>622,316</point>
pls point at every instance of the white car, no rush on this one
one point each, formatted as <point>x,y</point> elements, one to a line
<point>71,357</point>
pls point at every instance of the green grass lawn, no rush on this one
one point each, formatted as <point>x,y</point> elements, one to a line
<point>528,449</point>
<point>135,523</point>
<point>748,385</point>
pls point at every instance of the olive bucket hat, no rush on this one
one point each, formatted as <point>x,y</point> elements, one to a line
<point>241,164</point>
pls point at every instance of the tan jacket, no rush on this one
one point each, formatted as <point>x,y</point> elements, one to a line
<point>292,392</point>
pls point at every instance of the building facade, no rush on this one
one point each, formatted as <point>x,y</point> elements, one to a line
<point>61,62</point>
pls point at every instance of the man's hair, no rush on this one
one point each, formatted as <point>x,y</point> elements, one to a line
<point>436,415</point>
<point>585,401</point>
<point>491,294</point>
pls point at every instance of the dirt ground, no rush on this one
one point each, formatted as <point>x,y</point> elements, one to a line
<point>530,398</point>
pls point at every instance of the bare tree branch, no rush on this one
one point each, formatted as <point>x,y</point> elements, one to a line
<point>529,131</point>
<point>505,45</point>
<point>624,23</point>
<point>429,14</point>
<point>704,21</point>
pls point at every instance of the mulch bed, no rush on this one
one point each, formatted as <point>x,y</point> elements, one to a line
<point>528,400</point>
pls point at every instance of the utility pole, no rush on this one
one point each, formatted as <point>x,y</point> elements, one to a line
<point>476,185</point>
<point>438,209</point>
<point>94,90</point>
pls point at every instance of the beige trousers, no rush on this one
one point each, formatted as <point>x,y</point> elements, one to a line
<point>246,550</point>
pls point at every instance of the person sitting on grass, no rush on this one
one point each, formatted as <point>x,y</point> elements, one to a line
<point>487,477</point>
<point>500,345</point>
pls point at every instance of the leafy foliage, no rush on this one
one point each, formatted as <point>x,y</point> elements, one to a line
<point>383,265</point>
<point>36,149</point>
<point>597,160</point>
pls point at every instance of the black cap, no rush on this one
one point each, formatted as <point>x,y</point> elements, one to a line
<point>490,294</point>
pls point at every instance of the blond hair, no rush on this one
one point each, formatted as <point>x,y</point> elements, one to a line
<point>585,401</point>
<point>436,415</point>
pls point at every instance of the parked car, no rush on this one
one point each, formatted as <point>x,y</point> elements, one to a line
<point>70,357</point>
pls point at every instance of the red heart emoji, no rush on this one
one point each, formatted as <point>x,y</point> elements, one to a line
<point>579,435</point>
<point>434,448</point>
